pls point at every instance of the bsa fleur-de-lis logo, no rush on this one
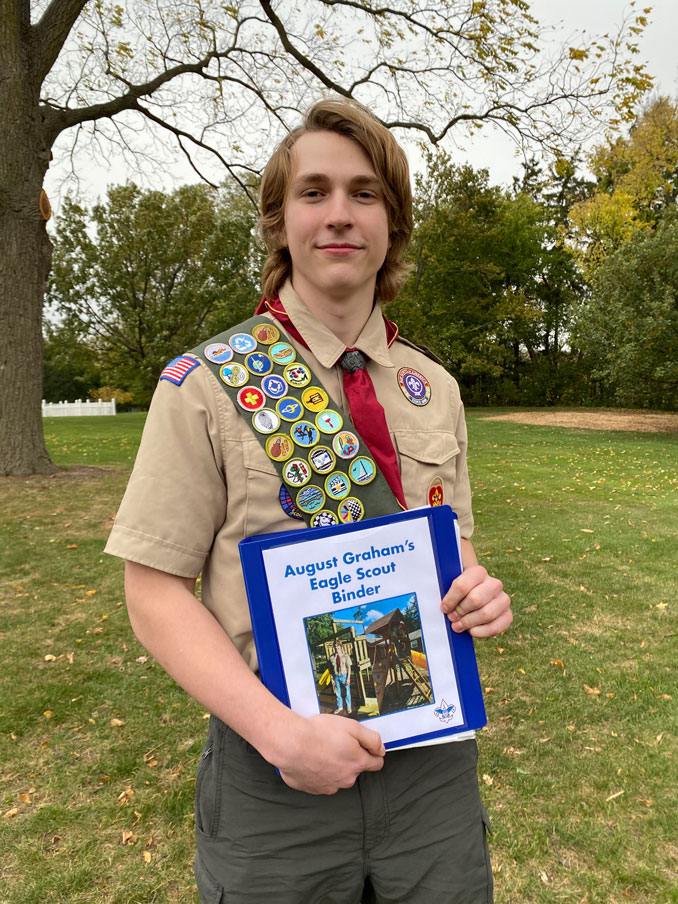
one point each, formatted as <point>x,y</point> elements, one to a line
<point>444,712</point>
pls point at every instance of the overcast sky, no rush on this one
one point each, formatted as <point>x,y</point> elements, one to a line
<point>658,48</point>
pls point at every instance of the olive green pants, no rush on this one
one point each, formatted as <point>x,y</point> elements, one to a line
<point>413,833</point>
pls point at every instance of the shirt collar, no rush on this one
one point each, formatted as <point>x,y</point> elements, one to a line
<point>327,347</point>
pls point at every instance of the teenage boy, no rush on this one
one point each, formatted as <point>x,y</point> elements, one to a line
<point>292,809</point>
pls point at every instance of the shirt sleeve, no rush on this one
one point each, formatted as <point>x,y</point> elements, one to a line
<point>176,498</point>
<point>461,498</point>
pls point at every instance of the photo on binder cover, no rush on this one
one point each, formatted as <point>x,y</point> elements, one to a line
<point>370,660</point>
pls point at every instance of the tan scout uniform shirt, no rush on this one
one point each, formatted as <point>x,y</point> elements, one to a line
<point>202,481</point>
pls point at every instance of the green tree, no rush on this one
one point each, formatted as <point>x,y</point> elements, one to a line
<point>71,370</point>
<point>636,182</point>
<point>146,275</point>
<point>221,81</point>
<point>628,331</point>
<point>319,628</point>
<point>487,292</point>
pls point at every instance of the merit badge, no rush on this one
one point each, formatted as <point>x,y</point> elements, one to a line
<point>242,343</point>
<point>329,421</point>
<point>289,409</point>
<point>325,518</point>
<point>250,398</point>
<point>414,386</point>
<point>337,485</point>
<point>265,421</point>
<point>296,472</point>
<point>282,353</point>
<point>310,499</point>
<point>351,509</point>
<point>258,363</point>
<point>346,444</point>
<point>304,434</point>
<point>177,370</point>
<point>266,333</point>
<point>288,505</point>
<point>274,386</point>
<point>234,374</point>
<point>322,459</point>
<point>435,492</point>
<point>297,375</point>
<point>362,470</point>
<point>279,447</point>
<point>218,353</point>
<point>315,398</point>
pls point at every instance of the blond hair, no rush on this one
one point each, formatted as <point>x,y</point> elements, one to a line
<point>352,120</point>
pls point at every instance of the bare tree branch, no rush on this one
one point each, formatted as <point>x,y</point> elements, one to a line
<point>50,33</point>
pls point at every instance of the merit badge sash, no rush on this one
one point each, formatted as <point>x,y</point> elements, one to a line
<point>326,469</point>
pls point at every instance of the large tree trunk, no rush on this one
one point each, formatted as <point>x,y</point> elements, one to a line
<point>25,253</point>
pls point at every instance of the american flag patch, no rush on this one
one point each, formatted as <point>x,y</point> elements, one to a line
<point>177,370</point>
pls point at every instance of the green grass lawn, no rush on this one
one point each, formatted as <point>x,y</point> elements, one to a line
<point>98,746</point>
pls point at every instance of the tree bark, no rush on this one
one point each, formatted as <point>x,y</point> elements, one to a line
<point>25,250</point>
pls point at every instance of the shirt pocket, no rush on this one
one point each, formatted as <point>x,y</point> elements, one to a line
<point>263,509</point>
<point>427,460</point>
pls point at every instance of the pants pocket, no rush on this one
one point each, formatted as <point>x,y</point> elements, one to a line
<point>209,891</point>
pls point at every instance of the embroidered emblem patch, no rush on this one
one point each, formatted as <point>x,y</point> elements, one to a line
<point>297,375</point>
<point>242,343</point>
<point>351,509</point>
<point>279,447</point>
<point>310,499</point>
<point>177,370</point>
<point>266,421</point>
<point>289,409</point>
<point>337,485</point>
<point>234,374</point>
<point>414,386</point>
<point>274,386</point>
<point>288,505</point>
<point>322,459</point>
<point>282,353</point>
<point>325,518</point>
<point>296,472</point>
<point>362,470</point>
<point>266,333</point>
<point>258,363</point>
<point>250,398</point>
<point>346,444</point>
<point>305,434</point>
<point>315,398</point>
<point>435,492</point>
<point>218,353</point>
<point>329,421</point>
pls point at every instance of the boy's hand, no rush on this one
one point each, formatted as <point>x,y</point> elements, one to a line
<point>327,753</point>
<point>477,602</point>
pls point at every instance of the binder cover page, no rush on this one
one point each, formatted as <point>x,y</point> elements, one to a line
<point>375,591</point>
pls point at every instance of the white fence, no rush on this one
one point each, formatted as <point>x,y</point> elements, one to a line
<point>73,409</point>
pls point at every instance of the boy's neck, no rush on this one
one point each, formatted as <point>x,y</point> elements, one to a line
<point>345,316</point>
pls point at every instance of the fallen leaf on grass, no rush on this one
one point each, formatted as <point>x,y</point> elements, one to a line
<point>558,662</point>
<point>544,876</point>
<point>48,714</point>
<point>141,659</point>
<point>26,798</point>
<point>117,723</point>
<point>9,813</point>
<point>544,740</point>
<point>126,796</point>
<point>50,657</point>
<point>645,800</point>
<point>128,837</point>
<point>592,691</point>
<point>90,592</point>
<point>614,796</point>
<point>488,779</point>
<point>664,697</point>
<point>586,530</point>
<point>147,856</point>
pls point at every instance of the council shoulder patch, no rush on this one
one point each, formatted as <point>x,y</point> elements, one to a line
<point>178,369</point>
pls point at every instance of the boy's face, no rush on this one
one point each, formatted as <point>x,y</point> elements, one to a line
<point>336,225</point>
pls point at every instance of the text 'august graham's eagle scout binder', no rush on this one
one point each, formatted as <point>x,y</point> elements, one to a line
<point>347,620</point>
